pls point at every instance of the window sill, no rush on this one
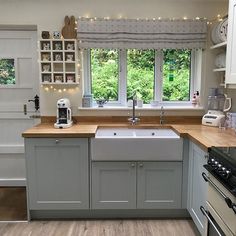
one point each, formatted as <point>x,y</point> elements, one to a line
<point>144,108</point>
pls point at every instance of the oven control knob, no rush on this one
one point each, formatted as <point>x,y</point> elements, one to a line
<point>228,173</point>
<point>215,164</point>
<point>211,160</point>
<point>219,166</point>
<point>222,171</point>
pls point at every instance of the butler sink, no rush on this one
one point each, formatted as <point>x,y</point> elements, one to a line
<point>124,144</point>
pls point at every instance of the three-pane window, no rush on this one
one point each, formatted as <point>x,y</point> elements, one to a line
<point>118,75</point>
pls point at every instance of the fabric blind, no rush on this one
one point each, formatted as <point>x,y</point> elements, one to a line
<point>141,34</point>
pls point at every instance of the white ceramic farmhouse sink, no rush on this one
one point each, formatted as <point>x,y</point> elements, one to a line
<point>155,133</point>
<point>124,144</point>
<point>114,133</point>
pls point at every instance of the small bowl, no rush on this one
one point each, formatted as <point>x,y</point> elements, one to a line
<point>101,102</point>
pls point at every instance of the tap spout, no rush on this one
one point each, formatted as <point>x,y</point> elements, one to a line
<point>133,119</point>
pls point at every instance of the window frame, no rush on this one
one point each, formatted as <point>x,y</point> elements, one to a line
<point>195,70</point>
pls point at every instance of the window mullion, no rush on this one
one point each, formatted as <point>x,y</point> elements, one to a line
<point>86,72</point>
<point>122,76</point>
<point>158,75</point>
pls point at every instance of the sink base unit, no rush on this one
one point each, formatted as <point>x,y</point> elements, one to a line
<point>141,185</point>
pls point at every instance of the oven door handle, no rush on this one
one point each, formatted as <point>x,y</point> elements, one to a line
<point>228,201</point>
<point>205,213</point>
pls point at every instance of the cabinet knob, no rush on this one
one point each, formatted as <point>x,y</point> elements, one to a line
<point>140,164</point>
<point>57,141</point>
<point>132,165</point>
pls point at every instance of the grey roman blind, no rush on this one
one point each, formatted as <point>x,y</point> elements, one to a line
<point>141,34</point>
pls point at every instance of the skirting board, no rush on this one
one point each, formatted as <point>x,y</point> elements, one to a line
<point>108,214</point>
<point>13,182</point>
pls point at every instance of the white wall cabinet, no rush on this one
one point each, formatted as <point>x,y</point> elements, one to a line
<point>230,77</point>
<point>197,187</point>
<point>57,173</point>
<point>136,185</point>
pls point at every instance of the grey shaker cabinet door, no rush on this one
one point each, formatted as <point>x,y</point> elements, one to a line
<point>197,187</point>
<point>113,185</point>
<point>57,173</point>
<point>159,185</point>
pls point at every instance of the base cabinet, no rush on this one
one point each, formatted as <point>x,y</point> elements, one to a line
<point>113,185</point>
<point>159,185</point>
<point>57,173</point>
<point>197,187</point>
<point>131,185</point>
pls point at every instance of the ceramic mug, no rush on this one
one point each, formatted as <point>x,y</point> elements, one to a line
<point>139,103</point>
<point>69,57</point>
<point>70,46</point>
<point>58,57</point>
<point>46,68</point>
<point>70,79</point>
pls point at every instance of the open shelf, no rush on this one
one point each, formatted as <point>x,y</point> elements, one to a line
<point>219,45</point>
<point>58,59</point>
<point>219,69</point>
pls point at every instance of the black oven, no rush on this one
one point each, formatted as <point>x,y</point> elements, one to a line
<point>212,229</point>
<point>221,201</point>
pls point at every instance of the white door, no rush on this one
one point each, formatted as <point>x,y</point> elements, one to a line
<point>18,84</point>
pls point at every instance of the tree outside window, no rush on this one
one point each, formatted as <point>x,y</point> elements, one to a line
<point>7,72</point>
<point>140,78</point>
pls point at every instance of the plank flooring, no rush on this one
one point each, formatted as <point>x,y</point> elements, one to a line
<point>100,228</point>
<point>13,207</point>
<point>12,204</point>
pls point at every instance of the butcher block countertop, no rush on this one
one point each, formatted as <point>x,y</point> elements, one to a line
<point>202,135</point>
<point>47,130</point>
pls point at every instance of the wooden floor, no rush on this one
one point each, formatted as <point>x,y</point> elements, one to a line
<point>100,228</point>
<point>13,207</point>
<point>12,204</point>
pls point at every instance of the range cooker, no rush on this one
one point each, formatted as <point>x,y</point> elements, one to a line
<point>221,200</point>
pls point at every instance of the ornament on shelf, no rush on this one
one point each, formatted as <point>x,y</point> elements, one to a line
<point>45,35</point>
<point>68,31</point>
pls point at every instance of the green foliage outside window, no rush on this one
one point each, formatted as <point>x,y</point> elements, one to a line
<point>7,72</point>
<point>105,74</point>
<point>177,67</point>
<point>140,74</point>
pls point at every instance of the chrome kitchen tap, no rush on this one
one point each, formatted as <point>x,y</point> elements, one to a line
<point>162,113</point>
<point>134,120</point>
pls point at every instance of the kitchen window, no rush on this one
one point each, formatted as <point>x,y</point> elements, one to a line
<point>164,75</point>
<point>157,60</point>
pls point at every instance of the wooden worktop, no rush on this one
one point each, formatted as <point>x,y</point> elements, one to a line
<point>47,130</point>
<point>202,135</point>
<point>206,136</point>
